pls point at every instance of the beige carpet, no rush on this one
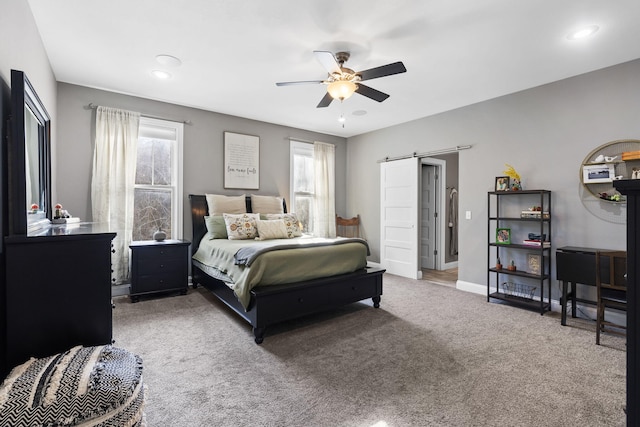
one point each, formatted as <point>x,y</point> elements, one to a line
<point>430,356</point>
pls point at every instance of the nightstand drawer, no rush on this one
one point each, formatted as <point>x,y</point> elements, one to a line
<point>153,266</point>
<point>156,253</point>
<point>161,282</point>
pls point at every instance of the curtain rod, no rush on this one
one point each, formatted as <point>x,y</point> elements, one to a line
<point>428,153</point>
<point>92,106</point>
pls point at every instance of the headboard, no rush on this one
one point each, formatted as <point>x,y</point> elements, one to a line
<point>199,209</point>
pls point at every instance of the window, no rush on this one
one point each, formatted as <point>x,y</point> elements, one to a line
<point>158,187</point>
<point>302,183</point>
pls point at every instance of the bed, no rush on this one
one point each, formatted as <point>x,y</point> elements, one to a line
<point>267,304</point>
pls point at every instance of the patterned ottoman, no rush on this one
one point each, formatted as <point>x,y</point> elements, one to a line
<point>85,386</point>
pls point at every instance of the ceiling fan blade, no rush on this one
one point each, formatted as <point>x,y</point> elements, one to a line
<point>324,102</point>
<point>328,61</point>
<point>300,83</point>
<point>369,92</point>
<point>384,70</point>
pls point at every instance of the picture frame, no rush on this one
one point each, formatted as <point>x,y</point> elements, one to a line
<point>534,264</point>
<point>241,161</point>
<point>502,183</point>
<point>601,172</point>
<point>503,236</point>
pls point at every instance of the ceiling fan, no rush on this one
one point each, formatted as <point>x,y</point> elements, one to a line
<point>342,82</point>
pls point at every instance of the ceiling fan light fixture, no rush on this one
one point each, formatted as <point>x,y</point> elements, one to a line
<point>341,89</point>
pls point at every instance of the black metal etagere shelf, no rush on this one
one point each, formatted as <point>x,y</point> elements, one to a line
<point>502,208</point>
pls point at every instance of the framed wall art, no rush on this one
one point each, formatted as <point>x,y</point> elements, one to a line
<point>241,161</point>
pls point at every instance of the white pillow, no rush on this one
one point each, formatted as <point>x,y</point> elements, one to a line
<point>290,221</point>
<point>271,229</point>
<point>241,226</point>
<point>219,204</point>
<point>266,204</point>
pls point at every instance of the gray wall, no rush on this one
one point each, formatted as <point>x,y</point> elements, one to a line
<point>203,148</point>
<point>545,133</point>
<point>22,49</point>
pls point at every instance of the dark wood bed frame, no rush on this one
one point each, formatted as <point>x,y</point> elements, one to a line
<point>277,303</point>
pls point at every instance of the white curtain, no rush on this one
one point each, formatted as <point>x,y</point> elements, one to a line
<point>112,183</point>
<point>324,224</point>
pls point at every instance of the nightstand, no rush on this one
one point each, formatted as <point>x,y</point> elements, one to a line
<point>159,267</point>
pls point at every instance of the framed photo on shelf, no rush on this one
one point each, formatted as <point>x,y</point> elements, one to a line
<point>593,174</point>
<point>503,236</point>
<point>534,264</point>
<point>502,183</point>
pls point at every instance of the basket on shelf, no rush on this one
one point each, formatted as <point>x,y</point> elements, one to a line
<point>518,290</point>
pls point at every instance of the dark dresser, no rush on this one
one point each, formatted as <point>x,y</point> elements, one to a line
<point>58,290</point>
<point>159,267</point>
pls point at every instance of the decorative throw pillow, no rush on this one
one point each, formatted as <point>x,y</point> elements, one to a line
<point>271,229</point>
<point>219,204</point>
<point>216,226</point>
<point>241,226</point>
<point>266,204</point>
<point>290,221</point>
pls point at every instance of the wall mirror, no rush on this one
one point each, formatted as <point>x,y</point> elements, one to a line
<point>29,158</point>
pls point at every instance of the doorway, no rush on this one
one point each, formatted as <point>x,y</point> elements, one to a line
<point>405,220</point>
<point>438,218</point>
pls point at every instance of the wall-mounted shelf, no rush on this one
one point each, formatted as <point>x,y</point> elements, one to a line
<point>596,162</point>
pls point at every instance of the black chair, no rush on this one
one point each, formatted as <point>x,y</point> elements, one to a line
<point>611,289</point>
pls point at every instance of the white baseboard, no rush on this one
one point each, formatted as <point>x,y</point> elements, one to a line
<point>471,287</point>
<point>585,311</point>
<point>450,265</point>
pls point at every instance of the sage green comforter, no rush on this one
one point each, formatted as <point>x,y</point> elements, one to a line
<point>277,267</point>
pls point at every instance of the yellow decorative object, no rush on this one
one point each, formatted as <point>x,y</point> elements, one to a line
<point>515,177</point>
<point>511,172</point>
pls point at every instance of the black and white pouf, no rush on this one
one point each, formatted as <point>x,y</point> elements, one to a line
<point>84,386</point>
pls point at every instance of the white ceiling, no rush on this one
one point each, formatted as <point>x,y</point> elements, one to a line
<point>457,52</point>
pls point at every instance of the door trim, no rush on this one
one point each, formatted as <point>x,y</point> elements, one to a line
<point>441,170</point>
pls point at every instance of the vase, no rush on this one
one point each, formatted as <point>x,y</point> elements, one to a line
<point>159,235</point>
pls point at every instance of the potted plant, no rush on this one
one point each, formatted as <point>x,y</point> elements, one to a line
<point>498,264</point>
<point>512,266</point>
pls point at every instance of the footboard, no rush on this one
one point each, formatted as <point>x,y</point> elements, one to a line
<point>277,303</point>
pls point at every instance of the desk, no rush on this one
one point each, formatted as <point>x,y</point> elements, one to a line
<point>577,266</point>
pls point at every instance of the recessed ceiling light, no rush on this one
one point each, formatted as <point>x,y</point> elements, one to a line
<point>583,32</point>
<point>341,119</point>
<point>161,74</point>
<point>168,60</point>
<point>359,113</point>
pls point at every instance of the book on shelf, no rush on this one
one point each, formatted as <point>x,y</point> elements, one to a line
<point>533,242</point>
<point>534,214</point>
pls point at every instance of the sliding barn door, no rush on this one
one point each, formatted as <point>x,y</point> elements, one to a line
<point>399,234</point>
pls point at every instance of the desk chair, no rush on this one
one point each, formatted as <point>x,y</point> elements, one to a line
<point>348,227</point>
<point>611,289</point>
